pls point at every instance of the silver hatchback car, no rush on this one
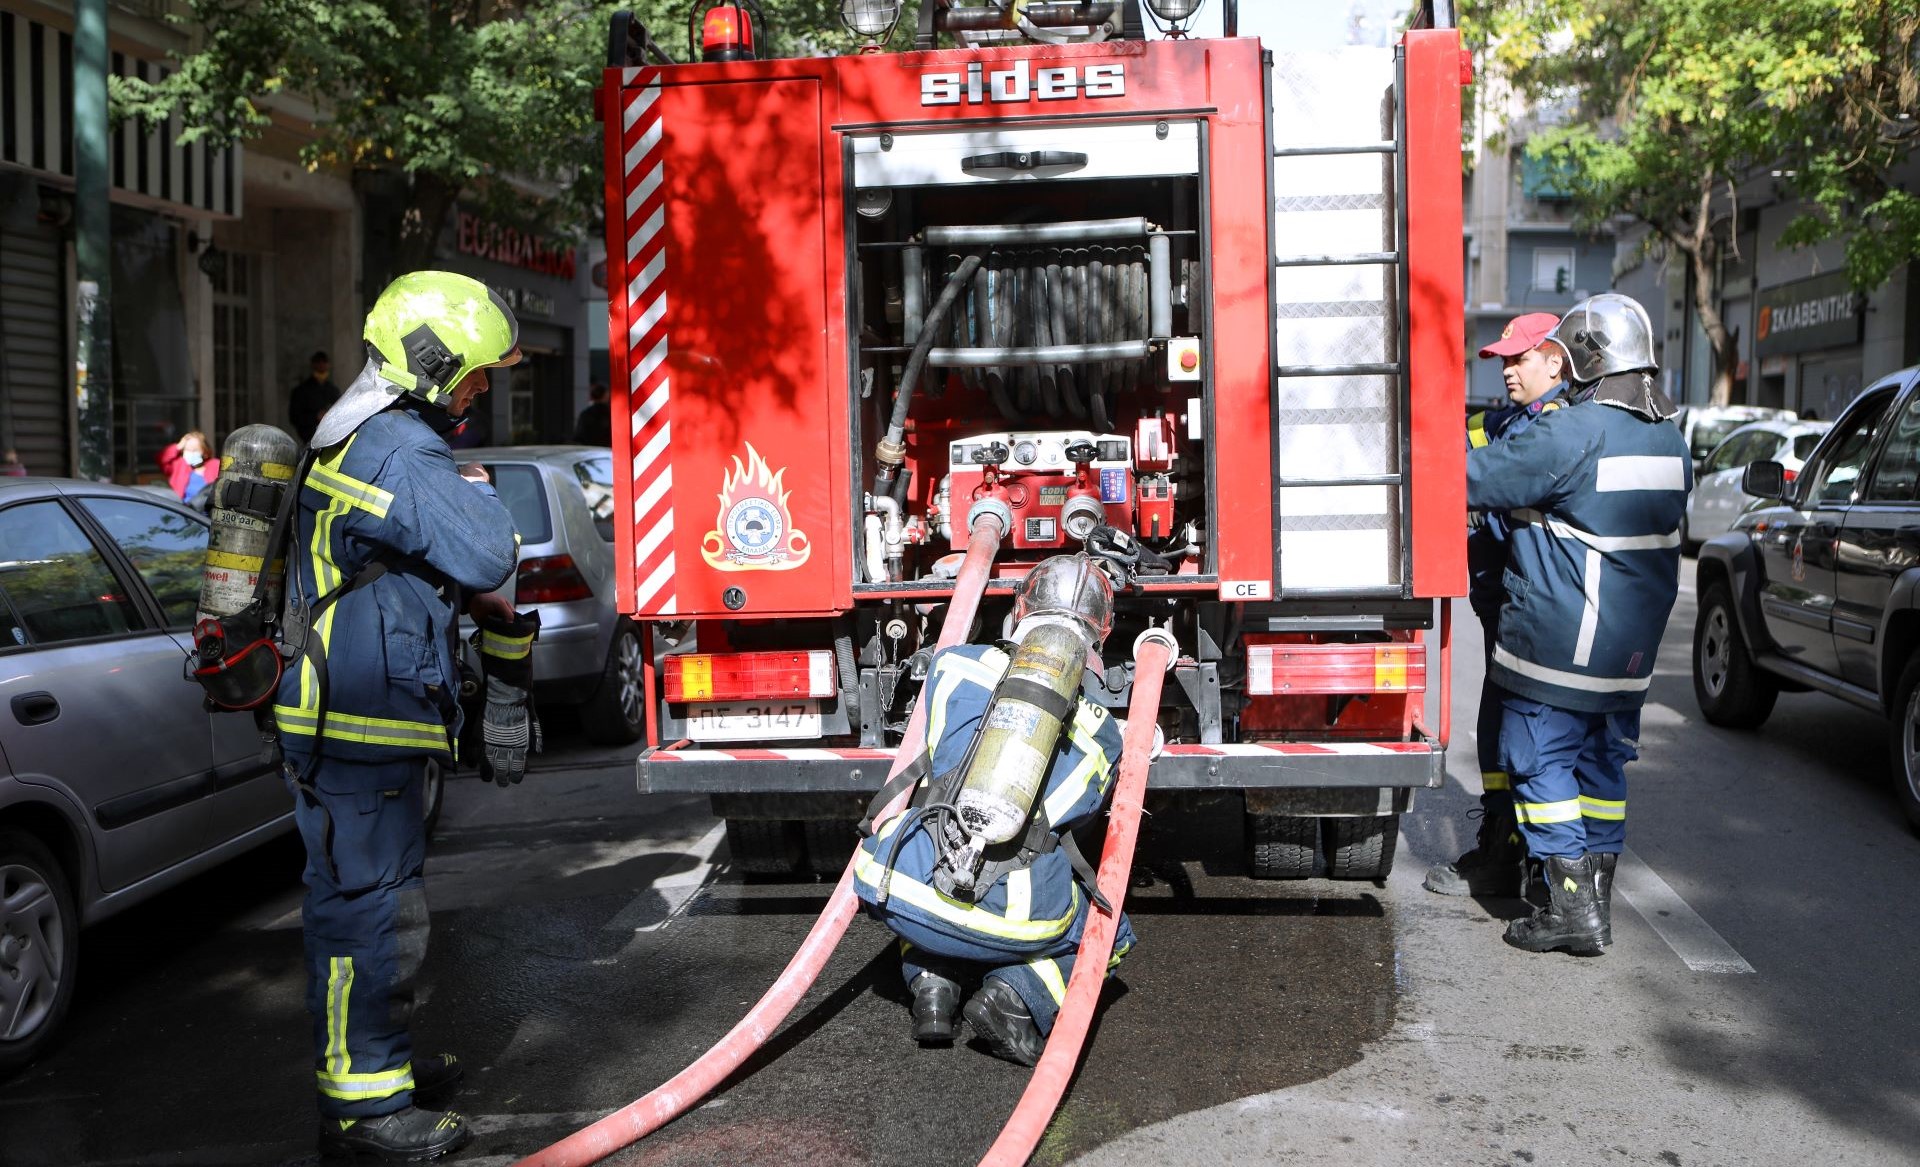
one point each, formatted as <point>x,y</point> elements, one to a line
<point>588,655</point>
<point>115,781</point>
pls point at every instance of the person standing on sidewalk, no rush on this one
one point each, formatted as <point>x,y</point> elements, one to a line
<point>1595,494</point>
<point>1533,367</point>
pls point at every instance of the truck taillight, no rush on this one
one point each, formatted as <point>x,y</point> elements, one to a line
<point>550,579</point>
<point>740,676</point>
<point>1289,669</point>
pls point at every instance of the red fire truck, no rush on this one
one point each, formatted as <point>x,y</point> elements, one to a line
<point>1197,296</point>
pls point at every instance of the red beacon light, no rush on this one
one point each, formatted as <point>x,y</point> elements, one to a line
<point>726,34</point>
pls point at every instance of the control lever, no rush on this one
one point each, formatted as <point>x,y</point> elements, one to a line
<point>992,454</point>
<point>1081,452</point>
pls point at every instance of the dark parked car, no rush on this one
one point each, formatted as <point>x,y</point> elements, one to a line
<point>1821,591</point>
<point>115,782</point>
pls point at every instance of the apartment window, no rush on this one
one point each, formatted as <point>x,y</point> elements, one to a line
<point>1553,269</point>
<point>233,340</point>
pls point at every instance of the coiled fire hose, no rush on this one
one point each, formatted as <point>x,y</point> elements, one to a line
<point>673,1098</point>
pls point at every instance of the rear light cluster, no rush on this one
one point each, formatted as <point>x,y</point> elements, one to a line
<point>1288,669</point>
<point>741,676</point>
<point>550,579</point>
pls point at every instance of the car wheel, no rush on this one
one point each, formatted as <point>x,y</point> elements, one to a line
<point>617,713</point>
<point>39,948</point>
<point>1731,691</point>
<point>1906,742</point>
<point>1282,846</point>
<point>1360,848</point>
<point>434,794</point>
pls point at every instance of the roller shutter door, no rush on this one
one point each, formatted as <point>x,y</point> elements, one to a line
<point>33,350</point>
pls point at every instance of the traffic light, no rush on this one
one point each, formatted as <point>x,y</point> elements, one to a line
<point>1560,279</point>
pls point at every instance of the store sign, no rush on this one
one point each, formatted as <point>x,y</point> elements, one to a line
<point>524,301</point>
<point>1807,315</point>
<point>486,239</point>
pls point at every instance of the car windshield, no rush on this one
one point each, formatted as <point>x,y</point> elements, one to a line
<point>519,487</point>
<point>1709,434</point>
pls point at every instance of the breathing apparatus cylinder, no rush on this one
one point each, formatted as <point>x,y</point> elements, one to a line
<point>243,579</point>
<point>1062,614</point>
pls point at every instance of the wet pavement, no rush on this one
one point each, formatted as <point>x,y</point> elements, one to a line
<point>589,943</point>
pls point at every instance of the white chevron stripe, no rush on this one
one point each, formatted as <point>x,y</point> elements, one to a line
<point>655,489</point>
<point>638,196</point>
<point>643,372</point>
<point>651,451</point>
<point>670,605</point>
<point>645,277</point>
<point>644,233</point>
<point>646,321</point>
<point>640,104</point>
<point>644,549</point>
<point>629,75</point>
<point>654,583</point>
<point>648,408</point>
<point>643,145</point>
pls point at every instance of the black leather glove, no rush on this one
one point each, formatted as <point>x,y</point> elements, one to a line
<point>508,727</point>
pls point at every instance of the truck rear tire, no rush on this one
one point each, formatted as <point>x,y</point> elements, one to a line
<point>1731,691</point>
<point>830,844</point>
<point>1282,846</point>
<point>1361,848</point>
<point>766,846</point>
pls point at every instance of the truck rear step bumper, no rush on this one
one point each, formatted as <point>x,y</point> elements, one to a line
<point>1181,767</point>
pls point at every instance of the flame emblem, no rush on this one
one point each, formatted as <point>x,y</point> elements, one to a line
<point>754,529</point>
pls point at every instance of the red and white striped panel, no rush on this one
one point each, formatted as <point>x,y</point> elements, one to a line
<point>645,296</point>
<point>1236,750</point>
<point>1317,749</point>
<point>745,755</point>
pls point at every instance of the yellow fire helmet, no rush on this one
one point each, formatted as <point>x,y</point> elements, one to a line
<point>426,333</point>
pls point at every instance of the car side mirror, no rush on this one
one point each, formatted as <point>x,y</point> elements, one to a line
<point>605,528</point>
<point>1765,480</point>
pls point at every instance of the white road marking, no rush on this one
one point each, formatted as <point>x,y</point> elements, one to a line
<point>1692,939</point>
<point>643,914</point>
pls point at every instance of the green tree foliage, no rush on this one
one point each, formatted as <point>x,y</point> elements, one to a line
<point>1674,103</point>
<point>431,101</point>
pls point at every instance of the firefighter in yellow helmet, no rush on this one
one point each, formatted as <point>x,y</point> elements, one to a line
<point>389,543</point>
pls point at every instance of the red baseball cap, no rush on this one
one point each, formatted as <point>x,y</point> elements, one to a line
<point>1522,333</point>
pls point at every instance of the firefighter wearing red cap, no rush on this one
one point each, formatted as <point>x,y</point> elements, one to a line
<point>1533,366</point>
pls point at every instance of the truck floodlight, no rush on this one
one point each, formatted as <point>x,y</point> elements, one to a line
<point>874,19</point>
<point>1175,12</point>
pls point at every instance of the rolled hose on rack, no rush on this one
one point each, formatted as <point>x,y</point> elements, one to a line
<point>896,436</point>
<point>668,1101</point>
<point>1153,654</point>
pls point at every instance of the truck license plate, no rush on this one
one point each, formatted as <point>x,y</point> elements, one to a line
<point>733,721</point>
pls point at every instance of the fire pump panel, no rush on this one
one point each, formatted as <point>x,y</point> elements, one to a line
<point>1032,307</point>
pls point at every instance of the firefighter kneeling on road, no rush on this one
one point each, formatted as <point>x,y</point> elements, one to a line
<point>389,542</point>
<point>980,873</point>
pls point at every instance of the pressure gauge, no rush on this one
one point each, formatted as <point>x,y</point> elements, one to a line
<point>1024,452</point>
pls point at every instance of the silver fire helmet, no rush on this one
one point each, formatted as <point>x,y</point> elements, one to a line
<point>1068,585</point>
<point>1603,334</point>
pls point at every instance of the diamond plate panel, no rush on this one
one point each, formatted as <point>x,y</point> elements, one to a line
<point>1331,427</point>
<point>1335,97</point>
<point>1339,537</point>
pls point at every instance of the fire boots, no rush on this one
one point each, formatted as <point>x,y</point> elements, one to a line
<point>1001,1019</point>
<point>1571,919</point>
<point>410,1136</point>
<point>936,1009</point>
<point>1495,866</point>
<point>1605,862</point>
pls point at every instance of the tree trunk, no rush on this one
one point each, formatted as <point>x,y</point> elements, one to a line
<point>1701,250</point>
<point>421,221</point>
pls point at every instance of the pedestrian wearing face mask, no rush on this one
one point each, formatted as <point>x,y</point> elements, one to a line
<point>190,465</point>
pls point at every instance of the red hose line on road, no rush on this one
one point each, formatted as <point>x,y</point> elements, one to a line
<point>668,1101</point>
<point>1152,656</point>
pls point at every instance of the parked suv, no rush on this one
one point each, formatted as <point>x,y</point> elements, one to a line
<point>1821,589</point>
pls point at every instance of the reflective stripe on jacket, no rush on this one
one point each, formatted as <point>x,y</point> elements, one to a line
<point>392,493</point>
<point>1595,495</point>
<point>1036,903</point>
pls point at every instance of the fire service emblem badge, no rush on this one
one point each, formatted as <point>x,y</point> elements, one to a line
<point>754,529</point>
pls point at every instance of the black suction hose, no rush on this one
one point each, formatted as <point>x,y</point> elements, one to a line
<point>892,450</point>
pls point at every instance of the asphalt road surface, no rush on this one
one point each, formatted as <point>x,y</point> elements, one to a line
<point>1758,1006</point>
